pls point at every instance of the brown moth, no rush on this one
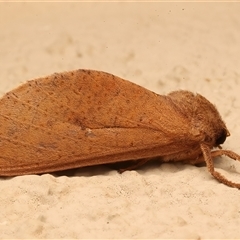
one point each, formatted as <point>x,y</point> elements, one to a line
<point>84,117</point>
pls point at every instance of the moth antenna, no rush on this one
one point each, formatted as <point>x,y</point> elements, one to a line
<point>228,133</point>
<point>208,157</point>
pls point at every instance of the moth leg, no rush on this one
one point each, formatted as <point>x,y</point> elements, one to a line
<point>227,153</point>
<point>208,156</point>
<point>136,165</point>
<point>195,161</point>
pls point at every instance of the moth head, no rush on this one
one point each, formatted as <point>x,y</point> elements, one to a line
<point>206,122</point>
<point>213,126</point>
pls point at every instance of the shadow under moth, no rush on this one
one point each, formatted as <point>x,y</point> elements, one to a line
<point>85,118</point>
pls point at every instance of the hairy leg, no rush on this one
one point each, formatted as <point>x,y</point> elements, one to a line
<point>208,156</point>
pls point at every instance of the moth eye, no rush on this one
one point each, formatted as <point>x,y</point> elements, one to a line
<point>222,137</point>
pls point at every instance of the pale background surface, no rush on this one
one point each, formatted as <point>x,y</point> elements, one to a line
<point>161,46</point>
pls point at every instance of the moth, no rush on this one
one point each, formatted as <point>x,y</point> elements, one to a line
<point>86,117</point>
